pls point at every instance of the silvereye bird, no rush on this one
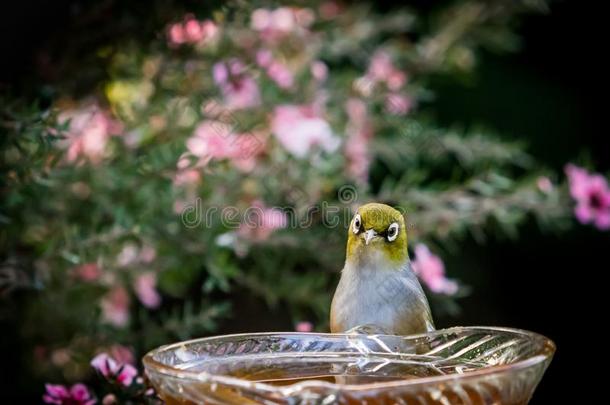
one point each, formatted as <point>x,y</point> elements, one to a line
<point>378,286</point>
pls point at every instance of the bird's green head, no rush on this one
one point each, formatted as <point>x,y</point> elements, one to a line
<point>377,230</point>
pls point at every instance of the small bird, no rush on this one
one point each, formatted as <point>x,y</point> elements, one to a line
<point>378,286</point>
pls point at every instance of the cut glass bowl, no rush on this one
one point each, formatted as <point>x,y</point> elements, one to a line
<point>462,365</point>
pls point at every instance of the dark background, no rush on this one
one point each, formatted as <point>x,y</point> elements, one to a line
<point>552,94</point>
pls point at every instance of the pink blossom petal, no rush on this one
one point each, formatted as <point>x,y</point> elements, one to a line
<point>88,133</point>
<point>176,34</point>
<point>57,391</point>
<point>280,74</point>
<point>398,104</point>
<point>304,17</point>
<point>583,213</point>
<point>544,184</point>
<point>304,327</point>
<point>48,399</point>
<point>396,80</point>
<point>210,29</point>
<point>220,73</point>
<point>127,374</point>
<point>283,19</point>
<point>79,392</point>
<point>260,222</point>
<point>242,93</point>
<point>260,19</point>
<point>299,130</point>
<point>145,288</point>
<point>109,399</point>
<point>193,30</point>
<point>122,354</point>
<point>115,307</point>
<point>602,220</point>
<point>450,287</point>
<point>431,270</point>
<point>104,364</point>
<point>319,70</point>
<point>264,57</point>
<point>381,66</point>
<point>578,179</point>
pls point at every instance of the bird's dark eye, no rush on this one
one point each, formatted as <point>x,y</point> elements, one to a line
<point>357,223</point>
<point>392,232</point>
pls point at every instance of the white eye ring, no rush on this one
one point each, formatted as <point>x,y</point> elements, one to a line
<point>357,223</point>
<point>393,232</point>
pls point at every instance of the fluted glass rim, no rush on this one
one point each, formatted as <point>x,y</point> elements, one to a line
<point>546,352</point>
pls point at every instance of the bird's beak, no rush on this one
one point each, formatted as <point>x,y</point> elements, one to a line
<point>369,235</point>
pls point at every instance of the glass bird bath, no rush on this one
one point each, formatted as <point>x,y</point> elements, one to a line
<point>463,365</point>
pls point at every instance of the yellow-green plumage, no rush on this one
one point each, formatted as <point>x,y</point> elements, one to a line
<point>378,286</point>
<point>379,217</point>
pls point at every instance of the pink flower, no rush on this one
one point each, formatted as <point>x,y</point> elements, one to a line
<point>281,20</point>
<point>186,177</point>
<point>145,288</point>
<point>115,307</point>
<point>260,222</point>
<point>431,271</point>
<point>103,364</point>
<point>264,57</point>
<point>87,272</point>
<point>382,70</point>
<point>260,19</point>
<point>359,132</point>
<point>592,196</point>
<point>210,29</point>
<point>239,89</point>
<point>88,133</point>
<point>124,374</point>
<point>122,354</point>
<point>60,395</point>
<point>358,157</point>
<point>299,129</point>
<point>109,399</point>
<point>395,80</point>
<point>544,184</point>
<point>304,16</point>
<point>148,254</point>
<point>220,73</point>
<point>277,71</point>
<point>211,140</point>
<point>398,104</point>
<point>578,179</point>
<point>319,70</point>
<point>215,140</point>
<point>176,34</point>
<point>128,255</point>
<point>191,31</point>
<point>275,24</point>
<point>280,74</point>
<point>381,66</point>
<point>304,327</point>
